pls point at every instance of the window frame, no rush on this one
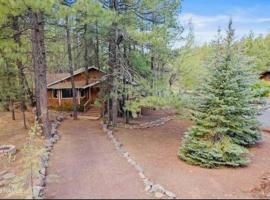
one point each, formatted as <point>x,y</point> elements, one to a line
<point>52,93</point>
<point>62,96</point>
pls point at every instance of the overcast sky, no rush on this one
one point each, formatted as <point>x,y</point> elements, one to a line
<point>208,15</point>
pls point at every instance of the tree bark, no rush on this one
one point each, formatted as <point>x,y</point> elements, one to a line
<point>22,78</point>
<point>12,109</point>
<point>113,67</point>
<point>71,68</point>
<point>86,55</point>
<point>97,47</point>
<point>40,67</point>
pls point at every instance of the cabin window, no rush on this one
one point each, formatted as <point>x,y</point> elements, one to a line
<point>82,93</point>
<point>66,93</point>
<point>54,94</point>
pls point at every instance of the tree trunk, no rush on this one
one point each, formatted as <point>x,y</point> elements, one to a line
<point>112,71</point>
<point>71,68</point>
<point>86,55</point>
<point>153,73</point>
<point>40,67</point>
<point>97,47</point>
<point>12,109</point>
<point>22,78</point>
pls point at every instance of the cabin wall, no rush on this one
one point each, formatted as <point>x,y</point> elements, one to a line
<point>52,101</point>
<point>266,77</point>
<point>66,103</point>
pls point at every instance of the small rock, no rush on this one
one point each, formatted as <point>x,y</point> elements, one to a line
<point>158,195</point>
<point>148,183</point>
<point>48,144</point>
<point>142,176</point>
<point>37,191</point>
<point>53,130</point>
<point>42,171</point>
<point>44,164</point>
<point>3,183</point>
<point>157,188</point>
<point>52,141</point>
<point>132,162</point>
<point>57,137</point>
<point>104,126</point>
<point>170,194</point>
<point>2,173</point>
<point>126,154</point>
<point>121,151</point>
<point>40,182</point>
<point>60,118</point>
<point>9,176</point>
<point>139,168</point>
<point>147,188</point>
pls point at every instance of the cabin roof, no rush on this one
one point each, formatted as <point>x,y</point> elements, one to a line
<point>53,77</point>
<point>78,85</point>
<point>57,81</point>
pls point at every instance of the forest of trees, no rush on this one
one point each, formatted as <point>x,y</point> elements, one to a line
<point>131,40</point>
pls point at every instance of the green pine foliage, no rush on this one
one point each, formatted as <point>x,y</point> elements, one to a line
<point>224,114</point>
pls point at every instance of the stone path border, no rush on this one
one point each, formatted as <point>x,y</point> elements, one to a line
<point>7,149</point>
<point>40,180</point>
<point>153,188</point>
<point>151,124</point>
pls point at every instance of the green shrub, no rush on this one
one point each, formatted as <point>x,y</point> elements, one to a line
<point>261,89</point>
<point>155,102</point>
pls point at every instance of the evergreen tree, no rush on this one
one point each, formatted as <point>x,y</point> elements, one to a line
<point>224,114</point>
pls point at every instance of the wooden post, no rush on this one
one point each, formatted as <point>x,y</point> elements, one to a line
<point>59,96</point>
<point>79,96</point>
<point>90,95</point>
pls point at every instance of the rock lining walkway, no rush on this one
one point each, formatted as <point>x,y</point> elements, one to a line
<point>156,190</point>
<point>84,164</point>
<point>155,123</point>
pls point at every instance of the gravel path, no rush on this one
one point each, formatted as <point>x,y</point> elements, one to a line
<point>84,164</point>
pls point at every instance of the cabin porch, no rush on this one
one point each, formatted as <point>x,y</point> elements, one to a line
<point>61,98</point>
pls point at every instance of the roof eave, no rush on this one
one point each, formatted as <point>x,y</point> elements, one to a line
<point>60,80</point>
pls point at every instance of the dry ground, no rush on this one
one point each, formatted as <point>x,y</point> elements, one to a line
<point>156,149</point>
<point>85,164</point>
<point>12,132</point>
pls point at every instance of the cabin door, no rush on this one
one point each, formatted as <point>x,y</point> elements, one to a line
<point>94,94</point>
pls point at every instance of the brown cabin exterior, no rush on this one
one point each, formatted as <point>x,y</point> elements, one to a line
<point>266,77</point>
<point>60,91</point>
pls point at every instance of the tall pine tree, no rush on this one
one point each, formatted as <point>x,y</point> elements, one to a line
<point>224,114</point>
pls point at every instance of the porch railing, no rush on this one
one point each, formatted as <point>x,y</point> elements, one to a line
<point>86,105</point>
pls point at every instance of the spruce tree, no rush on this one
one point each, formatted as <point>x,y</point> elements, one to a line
<point>224,113</point>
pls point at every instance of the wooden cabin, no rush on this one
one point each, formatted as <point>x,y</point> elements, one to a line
<point>60,90</point>
<point>265,76</point>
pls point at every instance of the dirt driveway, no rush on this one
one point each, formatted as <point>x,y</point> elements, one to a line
<point>85,164</point>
